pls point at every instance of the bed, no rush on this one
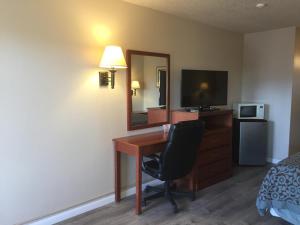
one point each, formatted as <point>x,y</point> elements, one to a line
<point>280,190</point>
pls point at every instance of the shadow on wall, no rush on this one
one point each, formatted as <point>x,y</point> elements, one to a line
<point>128,172</point>
<point>270,132</point>
<point>126,161</point>
<point>270,139</point>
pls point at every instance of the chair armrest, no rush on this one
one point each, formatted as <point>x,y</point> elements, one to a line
<point>152,157</point>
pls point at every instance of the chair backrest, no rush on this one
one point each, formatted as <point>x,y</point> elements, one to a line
<point>180,154</point>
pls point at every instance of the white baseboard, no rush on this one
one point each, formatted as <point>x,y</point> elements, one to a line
<point>273,160</point>
<point>89,206</point>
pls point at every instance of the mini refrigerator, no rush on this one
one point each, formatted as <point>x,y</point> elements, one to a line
<point>250,142</point>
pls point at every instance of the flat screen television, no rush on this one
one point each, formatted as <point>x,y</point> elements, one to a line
<point>202,88</point>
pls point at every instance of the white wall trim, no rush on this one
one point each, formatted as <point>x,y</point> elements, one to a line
<point>94,204</point>
<point>273,160</point>
<point>97,203</point>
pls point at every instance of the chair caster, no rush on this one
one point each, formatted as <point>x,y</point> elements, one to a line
<point>144,203</point>
<point>175,209</point>
<point>193,196</point>
<point>147,189</point>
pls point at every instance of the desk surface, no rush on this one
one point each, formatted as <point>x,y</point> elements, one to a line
<point>147,139</point>
<point>151,138</point>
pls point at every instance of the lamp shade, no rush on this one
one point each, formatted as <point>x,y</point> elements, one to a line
<point>135,84</point>
<point>113,58</point>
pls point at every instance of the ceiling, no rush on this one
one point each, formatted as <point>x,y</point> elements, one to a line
<point>235,15</point>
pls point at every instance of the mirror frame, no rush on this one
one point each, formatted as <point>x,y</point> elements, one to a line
<point>129,53</point>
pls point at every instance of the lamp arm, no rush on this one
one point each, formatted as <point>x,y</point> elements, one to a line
<point>112,77</point>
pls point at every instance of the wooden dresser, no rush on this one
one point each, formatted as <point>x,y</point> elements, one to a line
<point>214,161</point>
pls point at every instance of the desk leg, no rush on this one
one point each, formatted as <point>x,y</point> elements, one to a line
<point>138,175</point>
<point>117,176</point>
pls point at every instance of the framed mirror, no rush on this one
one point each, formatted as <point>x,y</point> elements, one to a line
<point>148,89</point>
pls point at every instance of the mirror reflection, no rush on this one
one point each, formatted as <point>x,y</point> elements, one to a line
<point>149,79</point>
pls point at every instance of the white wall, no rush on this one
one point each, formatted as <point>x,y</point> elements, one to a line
<point>56,123</point>
<point>151,92</point>
<point>137,74</point>
<point>295,116</point>
<point>267,78</point>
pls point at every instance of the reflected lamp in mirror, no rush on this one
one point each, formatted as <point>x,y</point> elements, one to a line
<point>148,106</point>
<point>135,84</point>
<point>112,59</point>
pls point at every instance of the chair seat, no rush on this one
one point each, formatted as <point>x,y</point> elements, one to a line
<point>175,161</point>
<point>151,167</point>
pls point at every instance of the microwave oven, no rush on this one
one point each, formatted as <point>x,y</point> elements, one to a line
<point>249,111</point>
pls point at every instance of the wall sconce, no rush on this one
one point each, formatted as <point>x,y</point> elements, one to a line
<point>135,85</point>
<point>112,59</point>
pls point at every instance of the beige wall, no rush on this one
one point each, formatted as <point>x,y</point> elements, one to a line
<point>295,115</point>
<point>56,123</point>
<point>267,78</point>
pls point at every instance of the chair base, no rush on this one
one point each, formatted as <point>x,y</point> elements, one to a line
<point>167,192</point>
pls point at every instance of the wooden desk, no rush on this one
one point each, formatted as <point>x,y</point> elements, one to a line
<point>214,157</point>
<point>137,146</point>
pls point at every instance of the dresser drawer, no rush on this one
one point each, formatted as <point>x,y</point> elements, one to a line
<point>211,170</point>
<point>213,155</point>
<point>216,140</point>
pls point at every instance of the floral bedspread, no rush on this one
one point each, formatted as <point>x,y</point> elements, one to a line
<point>280,188</point>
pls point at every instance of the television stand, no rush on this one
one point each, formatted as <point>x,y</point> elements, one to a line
<point>214,156</point>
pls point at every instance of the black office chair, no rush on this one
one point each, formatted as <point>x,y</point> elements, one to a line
<point>176,161</point>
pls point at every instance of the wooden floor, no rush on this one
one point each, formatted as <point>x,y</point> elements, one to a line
<point>231,202</point>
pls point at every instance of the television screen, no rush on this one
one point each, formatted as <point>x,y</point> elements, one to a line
<point>203,88</point>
